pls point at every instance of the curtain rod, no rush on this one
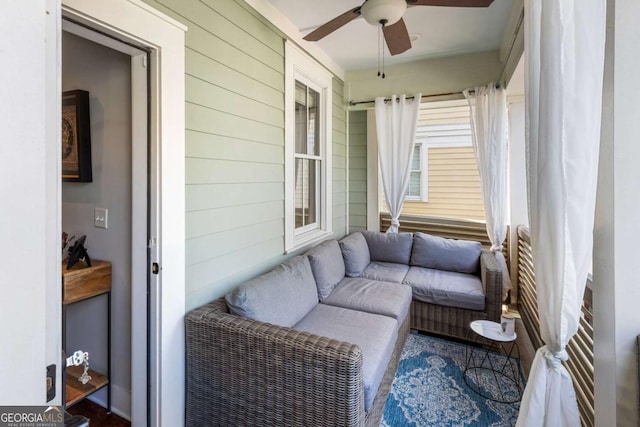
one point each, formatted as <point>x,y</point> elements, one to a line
<point>353,103</point>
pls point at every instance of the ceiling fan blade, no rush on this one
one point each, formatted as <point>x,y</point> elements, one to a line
<point>337,22</point>
<point>397,37</point>
<point>453,3</point>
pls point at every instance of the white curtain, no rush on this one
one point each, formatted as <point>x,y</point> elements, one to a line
<point>396,124</point>
<point>564,69</point>
<point>490,136</point>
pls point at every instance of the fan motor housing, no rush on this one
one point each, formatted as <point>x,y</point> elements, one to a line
<point>377,12</point>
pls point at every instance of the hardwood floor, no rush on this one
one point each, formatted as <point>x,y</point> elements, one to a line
<point>97,415</point>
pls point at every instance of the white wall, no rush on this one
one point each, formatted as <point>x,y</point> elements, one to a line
<point>616,268</point>
<point>29,211</point>
<point>106,74</point>
<point>518,214</point>
<point>518,211</point>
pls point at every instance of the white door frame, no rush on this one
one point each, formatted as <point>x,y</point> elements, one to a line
<point>143,219</point>
<point>137,23</point>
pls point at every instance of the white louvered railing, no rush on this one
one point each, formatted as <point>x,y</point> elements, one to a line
<point>580,348</point>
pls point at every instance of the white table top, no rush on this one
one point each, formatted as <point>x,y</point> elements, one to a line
<point>491,330</point>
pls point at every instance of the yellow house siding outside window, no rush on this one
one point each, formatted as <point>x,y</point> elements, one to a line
<point>448,164</point>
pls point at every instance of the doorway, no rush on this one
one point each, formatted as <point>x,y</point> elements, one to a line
<point>115,76</point>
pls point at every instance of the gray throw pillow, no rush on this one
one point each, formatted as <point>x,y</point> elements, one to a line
<point>281,297</point>
<point>389,247</point>
<point>327,266</point>
<point>355,253</point>
<point>430,251</point>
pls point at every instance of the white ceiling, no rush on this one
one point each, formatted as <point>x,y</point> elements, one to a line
<point>445,31</point>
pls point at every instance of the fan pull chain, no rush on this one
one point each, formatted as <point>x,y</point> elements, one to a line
<point>379,51</point>
<point>381,45</point>
<point>383,76</point>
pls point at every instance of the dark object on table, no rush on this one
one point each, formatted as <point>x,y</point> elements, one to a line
<point>78,252</point>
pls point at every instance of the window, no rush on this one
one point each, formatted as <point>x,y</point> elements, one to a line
<point>418,179</point>
<point>307,158</point>
<point>444,180</point>
<point>307,150</point>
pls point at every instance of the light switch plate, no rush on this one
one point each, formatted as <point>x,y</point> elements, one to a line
<point>101,217</point>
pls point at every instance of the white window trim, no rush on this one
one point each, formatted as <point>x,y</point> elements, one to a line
<point>422,133</point>
<point>299,66</point>
<point>424,173</point>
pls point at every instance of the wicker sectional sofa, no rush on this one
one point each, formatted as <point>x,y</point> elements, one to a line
<point>317,340</point>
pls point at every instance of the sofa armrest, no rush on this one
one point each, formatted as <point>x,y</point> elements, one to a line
<point>243,372</point>
<point>491,276</point>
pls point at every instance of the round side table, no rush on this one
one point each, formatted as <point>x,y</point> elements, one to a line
<point>493,375</point>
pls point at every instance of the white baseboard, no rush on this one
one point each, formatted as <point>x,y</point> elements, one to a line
<point>120,400</point>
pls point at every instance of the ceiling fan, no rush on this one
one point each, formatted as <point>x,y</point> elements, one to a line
<point>388,14</point>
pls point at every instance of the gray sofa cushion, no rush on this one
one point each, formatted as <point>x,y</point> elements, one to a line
<point>448,288</point>
<point>374,334</point>
<point>389,247</point>
<point>355,253</point>
<point>282,296</point>
<point>387,299</point>
<point>445,254</point>
<point>385,272</point>
<point>327,266</point>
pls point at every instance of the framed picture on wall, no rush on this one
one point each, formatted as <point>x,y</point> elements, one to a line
<point>76,137</point>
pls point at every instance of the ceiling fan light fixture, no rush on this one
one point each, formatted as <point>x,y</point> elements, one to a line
<point>388,11</point>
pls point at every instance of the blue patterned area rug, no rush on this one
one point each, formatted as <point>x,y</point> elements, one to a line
<point>429,389</point>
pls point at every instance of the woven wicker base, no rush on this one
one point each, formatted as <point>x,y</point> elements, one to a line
<point>246,373</point>
<point>453,321</point>
<point>242,372</point>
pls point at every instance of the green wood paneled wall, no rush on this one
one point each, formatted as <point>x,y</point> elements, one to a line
<point>339,160</point>
<point>234,84</point>
<point>357,170</point>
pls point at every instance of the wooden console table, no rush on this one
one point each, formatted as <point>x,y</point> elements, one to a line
<point>80,283</point>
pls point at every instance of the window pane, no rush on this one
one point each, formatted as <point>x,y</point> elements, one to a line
<point>413,190</point>
<point>301,118</point>
<point>312,191</point>
<point>314,123</point>
<point>299,193</point>
<point>415,162</point>
<point>306,192</point>
<point>301,93</point>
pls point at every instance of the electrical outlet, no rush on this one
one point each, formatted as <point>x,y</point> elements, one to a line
<point>51,382</point>
<point>101,218</point>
